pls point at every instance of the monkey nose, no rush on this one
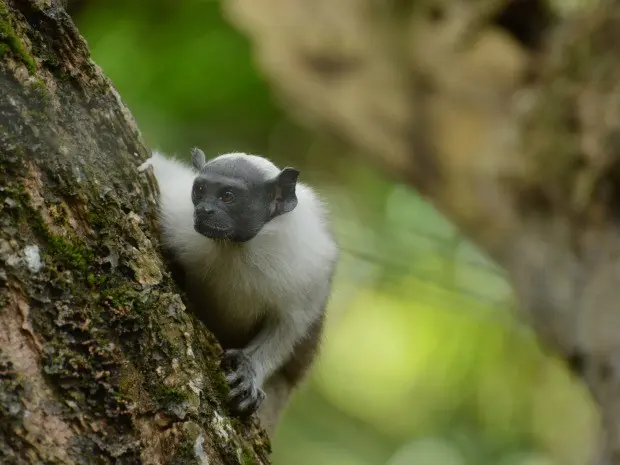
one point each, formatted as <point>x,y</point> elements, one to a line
<point>208,211</point>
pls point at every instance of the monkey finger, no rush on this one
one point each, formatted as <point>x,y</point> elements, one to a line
<point>242,389</point>
<point>233,377</point>
<point>246,406</point>
<point>230,360</point>
<point>249,405</point>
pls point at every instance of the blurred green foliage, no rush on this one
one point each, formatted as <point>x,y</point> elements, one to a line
<point>422,362</point>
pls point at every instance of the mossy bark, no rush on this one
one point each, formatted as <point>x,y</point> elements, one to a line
<point>99,361</point>
<point>506,115</point>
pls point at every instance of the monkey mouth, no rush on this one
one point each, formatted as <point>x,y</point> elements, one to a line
<point>212,231</point>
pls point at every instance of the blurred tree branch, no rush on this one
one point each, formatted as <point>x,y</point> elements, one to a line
<point>506,115</point>
<point>99,362</point>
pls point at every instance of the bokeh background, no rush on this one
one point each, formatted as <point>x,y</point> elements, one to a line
<point>423,362</point>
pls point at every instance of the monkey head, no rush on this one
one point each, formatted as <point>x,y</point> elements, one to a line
<point>235,195</point>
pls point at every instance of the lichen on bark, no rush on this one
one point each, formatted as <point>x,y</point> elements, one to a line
<point>99,360</point>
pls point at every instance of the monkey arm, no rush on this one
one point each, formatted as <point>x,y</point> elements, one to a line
<point>293,324</point>
<point>276,341</point>
<point>249,368</point>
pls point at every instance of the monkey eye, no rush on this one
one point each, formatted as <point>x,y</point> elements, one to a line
<point>227,197</point>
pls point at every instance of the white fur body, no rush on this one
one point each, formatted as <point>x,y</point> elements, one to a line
<point>284,273</point>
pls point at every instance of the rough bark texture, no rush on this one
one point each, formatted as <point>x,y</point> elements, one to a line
<point>506,115</point>
<point>99,361</point>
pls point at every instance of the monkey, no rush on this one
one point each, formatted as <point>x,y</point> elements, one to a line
<point>257,255</point>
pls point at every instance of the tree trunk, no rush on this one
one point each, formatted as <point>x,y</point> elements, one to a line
<point>506,115</point>
<point>99,361</point>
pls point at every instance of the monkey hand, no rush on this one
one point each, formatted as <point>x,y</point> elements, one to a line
<point>245,395</point>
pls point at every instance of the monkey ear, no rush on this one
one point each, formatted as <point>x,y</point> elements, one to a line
<point>285,199</point>
<point>198,159</point>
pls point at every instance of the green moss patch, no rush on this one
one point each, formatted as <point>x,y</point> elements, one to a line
<point>10,41</point>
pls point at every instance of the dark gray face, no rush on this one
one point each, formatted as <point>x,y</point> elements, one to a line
<point>233,199</point>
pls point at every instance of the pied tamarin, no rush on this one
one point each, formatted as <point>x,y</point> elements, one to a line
<point>257,257</point>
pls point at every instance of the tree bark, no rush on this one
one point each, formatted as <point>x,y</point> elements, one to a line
<point>99,361</point>
<point>505,114</point>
